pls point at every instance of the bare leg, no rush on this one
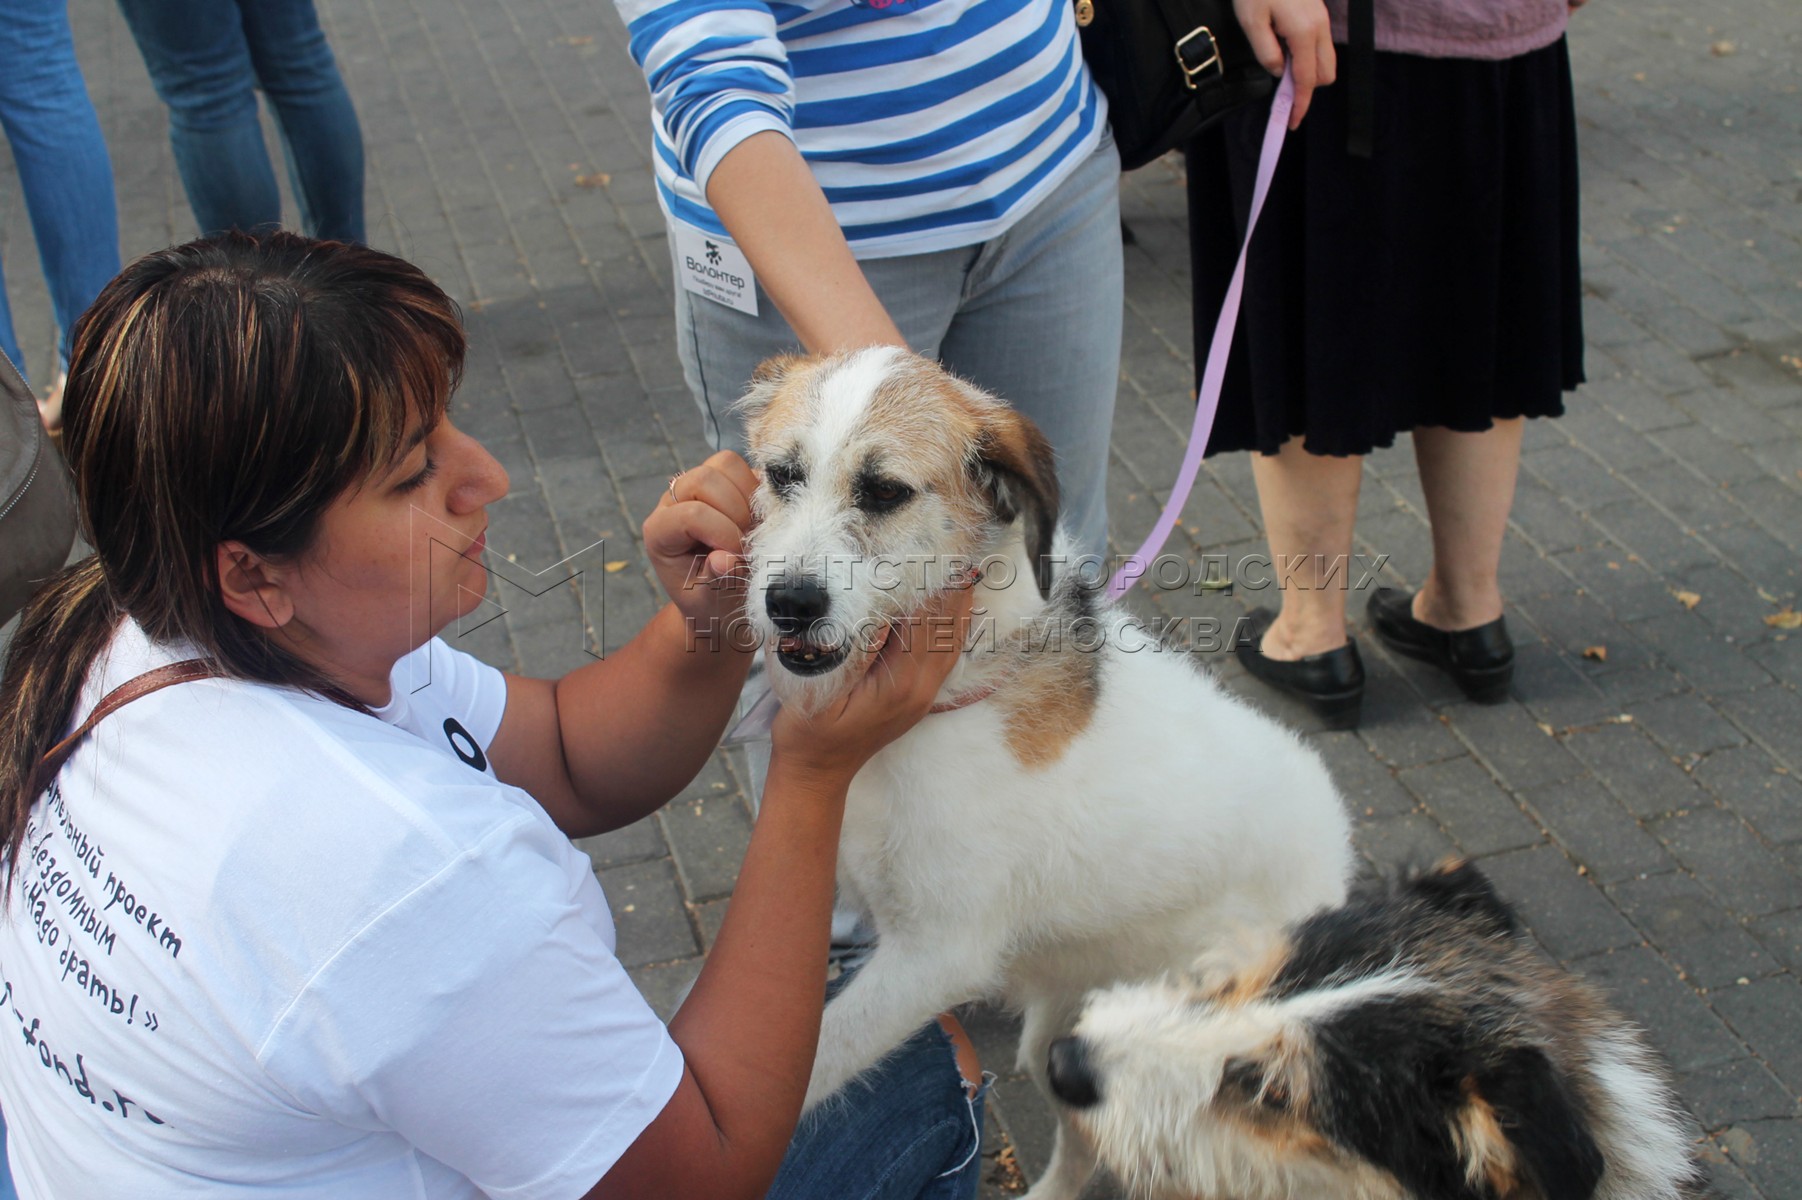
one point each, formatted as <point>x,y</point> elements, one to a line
<point>1469,483</point>
<point>1310,502</point>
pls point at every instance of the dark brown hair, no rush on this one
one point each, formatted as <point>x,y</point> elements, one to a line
<point>228,389</point>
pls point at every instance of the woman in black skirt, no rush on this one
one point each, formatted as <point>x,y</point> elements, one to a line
<point>1426,282</point>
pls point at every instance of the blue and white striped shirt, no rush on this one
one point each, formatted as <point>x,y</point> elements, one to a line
<point>929,124</point>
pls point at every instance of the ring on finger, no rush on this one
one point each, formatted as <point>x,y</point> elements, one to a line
<point>672,486</point>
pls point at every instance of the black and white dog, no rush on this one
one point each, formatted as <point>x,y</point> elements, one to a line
<point>1410,1045</point>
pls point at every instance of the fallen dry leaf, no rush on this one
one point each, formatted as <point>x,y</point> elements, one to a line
<point>1688,599</point>
<point>1789,618</point>
<point>599,179</point>
<point>615,566</point>
<point>1723,49</point>
<point>573,40</point>
<point>1599,653</point>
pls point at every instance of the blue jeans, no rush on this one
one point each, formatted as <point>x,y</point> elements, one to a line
<point>63,166</point>
<point>207,58</point>
<point>904,1131</point>
<point>6,1179</point>
<point>1033,315</point>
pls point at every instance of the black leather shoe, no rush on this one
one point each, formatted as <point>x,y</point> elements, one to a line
<point>1480,661</point>
<point>1330,684</point>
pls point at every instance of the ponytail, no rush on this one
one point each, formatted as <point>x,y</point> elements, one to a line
<point>65,627</point>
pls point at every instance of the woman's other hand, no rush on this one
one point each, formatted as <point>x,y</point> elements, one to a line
<point>695,538</point>
<point>896,690</point>
<point>1302,26</point>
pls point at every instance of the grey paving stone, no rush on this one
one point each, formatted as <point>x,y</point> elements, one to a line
<point>1369,786</point>
<point>1767,1013</point>
<point>1646,988</point>
<point>1774,718</point>
<point>708,838</point>
<point>1567,913</point>
<point>1730,1093</point>
<point>1680,917</point>
<point>1770,1152</point>
<point>1781,933</point>
<point>1709,660</point>
<point>1686,725</point>
<point>1597,831</point>
<point>1629,764</point>
<point>1748,876</point>
<point>1513,745</point>
<point>637,842</point>
<point>1410,840</point>
<point>648,917</point>
<point>663,985</point>
<point>1465,800</point>
<point>1399,730</point>
<point>1768,796</point>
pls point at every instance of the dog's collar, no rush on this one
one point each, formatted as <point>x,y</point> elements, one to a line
<point>964,700</point>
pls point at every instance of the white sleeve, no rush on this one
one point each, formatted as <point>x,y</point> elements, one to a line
<point>454,684</point>
<point>485,1019</point>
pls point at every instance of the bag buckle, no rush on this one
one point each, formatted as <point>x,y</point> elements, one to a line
<point>1193,70</point>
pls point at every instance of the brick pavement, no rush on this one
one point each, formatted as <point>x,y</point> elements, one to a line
<point>1640,798</point>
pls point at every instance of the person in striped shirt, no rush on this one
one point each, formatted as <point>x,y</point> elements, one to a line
<point>933,173</point>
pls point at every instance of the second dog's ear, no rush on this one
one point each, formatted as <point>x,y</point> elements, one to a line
<point>1018,469</point>
<point>1455,886</point>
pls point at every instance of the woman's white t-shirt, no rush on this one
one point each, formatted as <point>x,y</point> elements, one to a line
<point>258,944</point>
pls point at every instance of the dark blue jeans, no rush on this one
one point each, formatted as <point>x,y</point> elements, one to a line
<point>903,1131</point>
<point>63,167</point>
<point>207,58</point>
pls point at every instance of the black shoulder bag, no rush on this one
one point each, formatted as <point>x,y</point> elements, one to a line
<point>1167,67</point>
<point>1171,67</point>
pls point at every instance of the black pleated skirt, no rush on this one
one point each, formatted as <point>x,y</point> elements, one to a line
<point>1435,283</point>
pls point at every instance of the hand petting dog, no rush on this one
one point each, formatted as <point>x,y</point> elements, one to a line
<point>695,537</point>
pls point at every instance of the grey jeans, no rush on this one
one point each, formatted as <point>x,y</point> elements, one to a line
<point>1033,315</point>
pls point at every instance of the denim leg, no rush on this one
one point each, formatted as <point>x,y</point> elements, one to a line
<point>320,133</point>
<point>1040,326</point>
<point>6,1178</point>
<point>907,1131</point>
<point>63,166</point>
<point>197,58</point>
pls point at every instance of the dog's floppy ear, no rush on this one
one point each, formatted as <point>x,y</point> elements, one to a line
<point>766,379</point>
<point>1522,1100</point>
<point>1016,466</point>
<point>1457,888</point>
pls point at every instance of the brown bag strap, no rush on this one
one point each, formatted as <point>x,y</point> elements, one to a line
<point>132,689</point>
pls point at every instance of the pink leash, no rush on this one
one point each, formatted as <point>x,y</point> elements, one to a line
<point>1207,401</point>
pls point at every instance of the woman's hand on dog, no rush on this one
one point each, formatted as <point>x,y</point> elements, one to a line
<point>898,687</point>
<point>695,537</point>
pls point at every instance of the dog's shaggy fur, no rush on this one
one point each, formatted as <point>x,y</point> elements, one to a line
<point>1411,1044</point>
<point>1099,811</point>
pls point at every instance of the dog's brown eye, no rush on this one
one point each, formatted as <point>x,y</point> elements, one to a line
<point>882,495</point>
<point>782,478</point>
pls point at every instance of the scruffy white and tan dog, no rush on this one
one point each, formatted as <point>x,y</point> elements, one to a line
<point>1087,808</point>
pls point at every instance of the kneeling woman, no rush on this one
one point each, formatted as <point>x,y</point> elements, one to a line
<point>305,920</point>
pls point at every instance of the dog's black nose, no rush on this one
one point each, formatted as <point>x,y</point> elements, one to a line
<point>1072,1076</point>
<point>795,604</point>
